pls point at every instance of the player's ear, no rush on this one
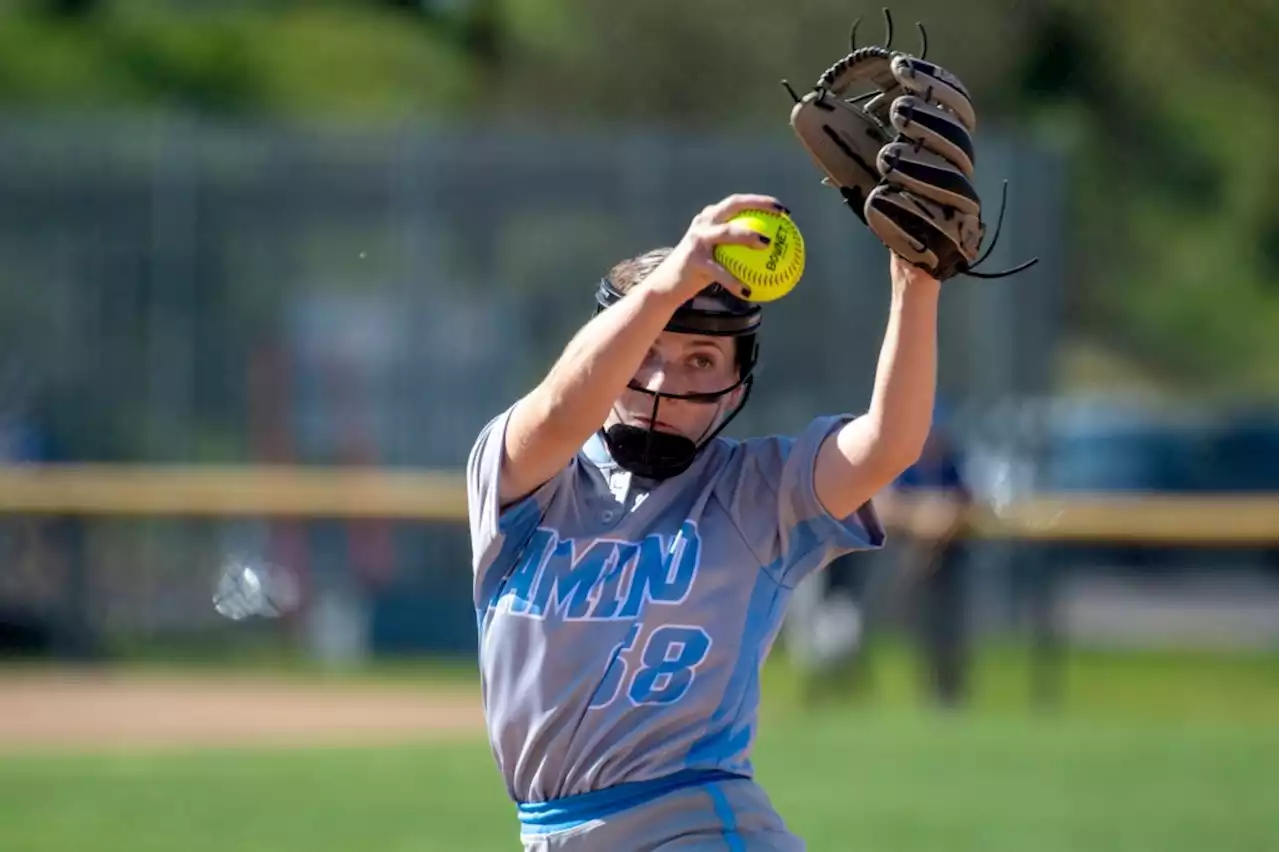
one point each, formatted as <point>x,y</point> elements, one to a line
<point>735,395</point>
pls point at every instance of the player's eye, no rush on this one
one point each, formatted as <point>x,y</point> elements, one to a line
<point>703,362</point>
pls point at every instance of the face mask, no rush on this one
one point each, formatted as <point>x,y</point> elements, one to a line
<point>653,454</point>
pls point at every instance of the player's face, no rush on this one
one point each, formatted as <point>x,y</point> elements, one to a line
<point>681,364</point>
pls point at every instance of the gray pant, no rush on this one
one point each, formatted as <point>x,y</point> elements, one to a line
<point>722,816</point>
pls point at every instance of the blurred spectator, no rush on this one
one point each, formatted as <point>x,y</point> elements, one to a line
<point>54,616</point>
<point>935,561</point>
<point>831,611</point>
<point>22,630</point>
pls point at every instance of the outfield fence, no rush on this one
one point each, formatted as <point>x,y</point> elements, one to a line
<point>440,496</point>
<point>132,550</point>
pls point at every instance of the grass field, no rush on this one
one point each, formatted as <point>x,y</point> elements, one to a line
<point>1148,753</point>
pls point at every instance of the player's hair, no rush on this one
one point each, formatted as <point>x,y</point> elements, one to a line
<point>630,272</point>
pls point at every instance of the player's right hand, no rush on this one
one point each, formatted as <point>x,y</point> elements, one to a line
<point>691,266</point>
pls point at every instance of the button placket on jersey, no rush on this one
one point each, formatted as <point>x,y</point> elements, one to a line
<point>619,487</point>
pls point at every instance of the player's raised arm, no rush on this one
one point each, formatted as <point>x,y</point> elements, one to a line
<point>920,201</point>
<point>871,451</point>
<point>551,423</point>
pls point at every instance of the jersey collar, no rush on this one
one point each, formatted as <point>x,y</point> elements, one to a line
<point>596,451</point>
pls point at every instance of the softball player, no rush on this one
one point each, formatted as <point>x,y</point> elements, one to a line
<point>632,568</point>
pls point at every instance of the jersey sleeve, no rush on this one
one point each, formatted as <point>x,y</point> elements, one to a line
<point>499,532</point>
<point>773,500</point>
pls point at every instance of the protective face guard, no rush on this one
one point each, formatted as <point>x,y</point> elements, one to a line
<point>652,454</point>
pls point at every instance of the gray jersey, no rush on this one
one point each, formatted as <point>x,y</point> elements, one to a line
<point>622,624</point>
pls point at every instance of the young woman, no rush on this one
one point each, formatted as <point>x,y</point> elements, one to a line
<point>632,568</point>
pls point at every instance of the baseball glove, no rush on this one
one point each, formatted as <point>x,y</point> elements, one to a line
<point>901,153</point>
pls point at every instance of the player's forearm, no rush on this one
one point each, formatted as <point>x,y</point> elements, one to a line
<point>553,420</point>
<point>901,409</point>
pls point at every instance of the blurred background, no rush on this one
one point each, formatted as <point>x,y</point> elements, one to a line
<point>266,268</point>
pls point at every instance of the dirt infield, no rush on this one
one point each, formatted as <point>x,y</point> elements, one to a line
<point>92,711</point>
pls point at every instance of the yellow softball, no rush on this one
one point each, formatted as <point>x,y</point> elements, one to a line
<point>770,271</point>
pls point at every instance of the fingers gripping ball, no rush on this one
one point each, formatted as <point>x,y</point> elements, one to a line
<point>770,271</point>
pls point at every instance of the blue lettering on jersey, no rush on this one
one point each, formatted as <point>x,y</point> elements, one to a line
<point>601,579</point>
<point>611,580</point>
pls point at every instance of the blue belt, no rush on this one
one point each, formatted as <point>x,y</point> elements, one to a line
<point>572,811</point>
